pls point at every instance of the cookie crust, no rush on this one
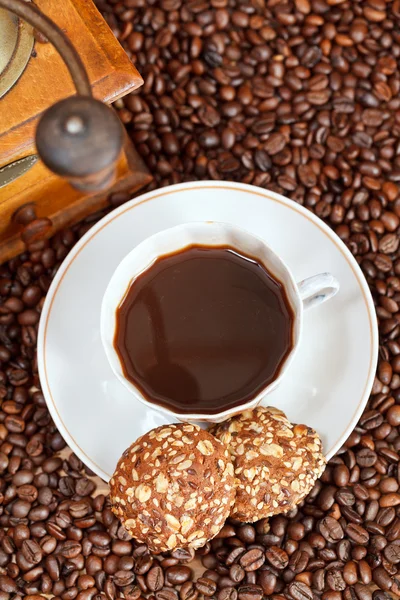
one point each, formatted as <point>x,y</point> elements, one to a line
<point>276,463</point>
<point>173,487</point>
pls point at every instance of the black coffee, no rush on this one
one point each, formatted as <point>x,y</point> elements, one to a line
<point>203,330</point>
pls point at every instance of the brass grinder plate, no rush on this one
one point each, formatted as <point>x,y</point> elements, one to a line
<point>16,45</point>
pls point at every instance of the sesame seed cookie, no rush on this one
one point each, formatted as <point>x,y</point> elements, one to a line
<point>174,487</point>
<point>276,463</point>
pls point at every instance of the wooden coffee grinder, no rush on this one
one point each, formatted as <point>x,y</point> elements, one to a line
<point>61,155</point>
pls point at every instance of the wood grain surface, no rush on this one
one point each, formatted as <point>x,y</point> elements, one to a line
<point>46,78</point>
<point>45,81</point>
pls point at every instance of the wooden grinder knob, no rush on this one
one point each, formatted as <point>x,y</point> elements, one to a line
<point>81,139</point>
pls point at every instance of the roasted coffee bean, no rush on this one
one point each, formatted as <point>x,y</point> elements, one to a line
<point>246,533</point>
<point>70,549</point>
<point>51,465</point>
<point>121,548</point>
<point>20,509</point>
<point>330,529</point>
<point>335,581</point>
<point>350,574</point>
<point>380,595</point>
<point>318,580</point>
<point>188,591</point>
<point>267,581</point>
<point>52,567</point>
<point>155,579</point>
<point>345,497</point>
<point>206,586</point>
<point>32,551</point>
<point>99,538</point>
<point>123,578</point>
<point>131,592</point>
<point>141,581</point>
<point>183,554</point>
<point>165,594</point>
<point>84,582</point>
<point>228,593</point>
<point>392,553</point>
<point>110,590</point>
<point>382,578</point>
<point>178,575</point>
<point>300,591</point>
<point>27,492</point>
<point>277,557</point>
<point>298,561</point>
<point>234,555</point>
<point>110,564</point>
<point>125,563</point>
<point>84,486</point>
<point>20,534</point>
<point>252,560</point>
<point>93,564</point>
<point>357,534</point>
<point>143,564</point>
<point>365,572</point>
<point>366,457</point>
<point>48,544</point>
<point>250,592</point>
<point>237,573</point>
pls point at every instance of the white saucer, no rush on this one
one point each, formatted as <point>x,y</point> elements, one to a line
<point>328,383</point>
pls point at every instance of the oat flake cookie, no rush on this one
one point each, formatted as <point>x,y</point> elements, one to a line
<point>276,463</point>
<point>174,487</point>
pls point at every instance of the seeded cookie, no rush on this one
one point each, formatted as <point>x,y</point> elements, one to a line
<point>276,463</point>
<point>174,487</point>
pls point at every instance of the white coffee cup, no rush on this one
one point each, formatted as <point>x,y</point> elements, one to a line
<point>308,293</point>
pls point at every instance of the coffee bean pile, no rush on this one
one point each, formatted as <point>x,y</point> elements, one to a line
<point>298,96</point>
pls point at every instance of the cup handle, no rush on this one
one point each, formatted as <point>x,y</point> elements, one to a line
<point>317,289</point>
